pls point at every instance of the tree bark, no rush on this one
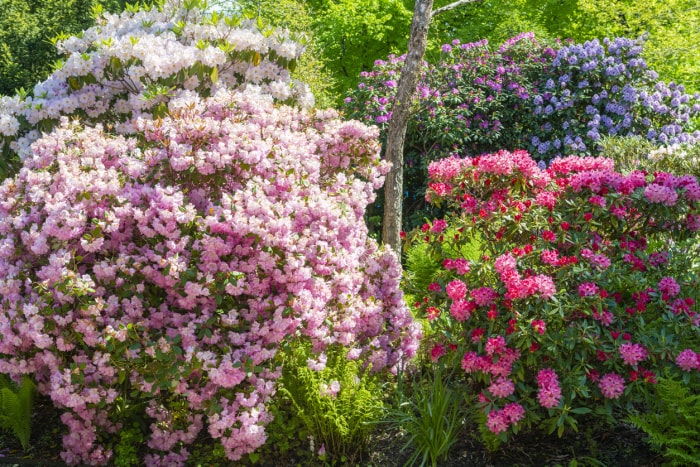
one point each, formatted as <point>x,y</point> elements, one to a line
<point>396,132</point>
<point>401,111</point>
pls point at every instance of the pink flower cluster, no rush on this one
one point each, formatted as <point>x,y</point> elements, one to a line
<point>661,194</point>
<point>519,287</point>
<point>669,287</point>
<point>632,354</point>
<point>460,265</point>
<point>587,289</point>
<point>495,364</point>
<point>502,387</point>
<point>611,385</point>
<point>456,290</point>
<point>498,421</point>
<point>688,360</point>
<point>549,393</point>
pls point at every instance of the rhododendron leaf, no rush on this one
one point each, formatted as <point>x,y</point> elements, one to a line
<point>74,83</point>
<point>580,410</point>
<point>214,75</point>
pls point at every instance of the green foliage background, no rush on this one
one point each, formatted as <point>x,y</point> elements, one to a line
<point>27,27</point>
<point>347,36</point>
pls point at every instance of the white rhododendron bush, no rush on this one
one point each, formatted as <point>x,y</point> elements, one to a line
<point>130,66</point>
<point>162,261</point>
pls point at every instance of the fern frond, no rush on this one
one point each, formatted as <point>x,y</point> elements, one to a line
<point>672,422</point>
<point>16,407</point>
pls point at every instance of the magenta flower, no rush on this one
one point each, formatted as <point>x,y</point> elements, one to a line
<point>437,351</point>
<point>456,290</point>
<point>502,387</point>
<point>661,194</point>
<point>669,287</point>
<point>495,345</point>
<point>438,226</point>
<point>587,289</point>
<point>461,309</point>
<point>549,393</point>
<point>632,353</point>
<point>688,360</point>
<point>611,385</point>
<point>484,296</point>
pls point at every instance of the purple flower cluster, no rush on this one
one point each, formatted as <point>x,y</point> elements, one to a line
<point>618,96</point>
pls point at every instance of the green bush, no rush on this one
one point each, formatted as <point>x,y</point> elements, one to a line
<point>636,153</point>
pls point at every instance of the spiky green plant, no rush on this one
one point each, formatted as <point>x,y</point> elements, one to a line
<point>16,402</point>
<point>430,414</point>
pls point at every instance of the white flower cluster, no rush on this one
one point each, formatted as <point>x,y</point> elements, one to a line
<point>666,151</point>
<point>129,66</point>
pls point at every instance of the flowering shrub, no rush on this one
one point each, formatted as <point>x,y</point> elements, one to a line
<point>553,101</point>
<point>677,158</point>
<point>111,76</point>
<point>179,265</point>
<point>578,301</point>
<point>163,267</point>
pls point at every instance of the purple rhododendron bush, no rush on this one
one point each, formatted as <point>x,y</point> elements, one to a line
<point>580,300</point>
<point>553,100</point>
<point>165,266</point>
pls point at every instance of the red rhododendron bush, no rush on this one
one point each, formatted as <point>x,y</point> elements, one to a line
<point>165,267</point>
<point>580,299</point>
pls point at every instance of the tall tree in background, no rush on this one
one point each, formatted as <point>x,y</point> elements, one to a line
<point>401,111</point>
<point>27,28</point>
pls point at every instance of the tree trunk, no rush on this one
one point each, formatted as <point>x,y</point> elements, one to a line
<point>400,112</point>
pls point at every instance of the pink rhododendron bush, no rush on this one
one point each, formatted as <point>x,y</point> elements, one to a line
<point>580,300</point>
<point>164,267</point>
<point>168,268</point>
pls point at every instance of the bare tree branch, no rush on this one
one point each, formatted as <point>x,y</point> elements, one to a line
<point>451,6</point>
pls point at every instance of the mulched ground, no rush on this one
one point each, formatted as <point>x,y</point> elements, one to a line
<point>624,446</point>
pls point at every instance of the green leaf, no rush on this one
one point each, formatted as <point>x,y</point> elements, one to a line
<point>73,83</point>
